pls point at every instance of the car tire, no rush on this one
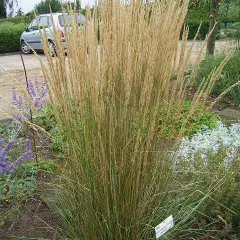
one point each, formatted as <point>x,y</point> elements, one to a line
<point>52,48</point>
<point>25,48</point>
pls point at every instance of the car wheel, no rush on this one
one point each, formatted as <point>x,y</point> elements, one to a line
<point>25,48</point>
<point>52,48</point>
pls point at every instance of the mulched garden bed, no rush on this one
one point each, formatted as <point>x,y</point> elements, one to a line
<point>29,217</point>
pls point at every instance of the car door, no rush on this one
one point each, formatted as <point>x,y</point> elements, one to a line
<point>32,36</point>
<point>44,22</point>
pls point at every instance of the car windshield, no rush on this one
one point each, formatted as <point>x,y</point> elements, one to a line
<point>80,18</point>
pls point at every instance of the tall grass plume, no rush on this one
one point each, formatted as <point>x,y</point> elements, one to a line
<point>114,95</point>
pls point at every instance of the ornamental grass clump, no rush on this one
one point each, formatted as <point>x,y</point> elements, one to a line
<point>113,95</point>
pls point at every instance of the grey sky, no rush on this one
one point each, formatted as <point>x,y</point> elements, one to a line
<point>27,5</point>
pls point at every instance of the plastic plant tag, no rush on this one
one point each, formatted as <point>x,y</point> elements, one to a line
<point>164,226</point>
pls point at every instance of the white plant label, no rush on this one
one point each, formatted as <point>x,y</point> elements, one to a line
<point>164,226</point>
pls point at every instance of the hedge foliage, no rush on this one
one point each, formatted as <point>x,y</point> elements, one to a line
<point>19,19</point>
<point>200,14</point>
<point>193,28</point>
<point>229,76</point>
<point>10,36</point>
<point>10,31</point>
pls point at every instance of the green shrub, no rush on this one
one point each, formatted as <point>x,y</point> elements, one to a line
<point>198,13</point>
<point>193,27</point>
<point>236,33</point>
<point>30,16</point>
<point>10,36</point>
<point>229,76</point>
<point>206,67</point>
<point>195,123</point>
<point>228,32</point>
<point>18,19</point>
<point>232,33</point>
<point>236,25</point>
<point>10,31</point>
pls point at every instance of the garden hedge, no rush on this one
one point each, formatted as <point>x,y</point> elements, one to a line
<point>193,27</point>
<point>10,37</point>
<point>10,31</point>
<point>19,19</point>
<point>229,76</point>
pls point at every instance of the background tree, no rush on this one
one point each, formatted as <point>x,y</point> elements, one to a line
<point>7,5</point>
<point>19,12</point>
<point>221,10</point>
<point>55,5</point>
<point>213,26</point>
<point>78,5</point>
<point>3,9</point>
<point>11,4</point>
<point>230,11</point>
<point>45,5</point>
<point>218,10</point>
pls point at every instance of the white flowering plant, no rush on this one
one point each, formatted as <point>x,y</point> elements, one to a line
<point>210,140</point>
<point>213,156</point>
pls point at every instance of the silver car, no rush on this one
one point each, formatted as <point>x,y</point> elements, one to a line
<point>31,35</point>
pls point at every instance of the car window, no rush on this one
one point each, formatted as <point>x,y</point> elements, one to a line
<point>80,18</point>
<point>33,25</point>
<point>49,21</point>
<point>44,21</point>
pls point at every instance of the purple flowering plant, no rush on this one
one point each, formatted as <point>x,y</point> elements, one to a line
<point>5,164</point>
<point>38,96</point>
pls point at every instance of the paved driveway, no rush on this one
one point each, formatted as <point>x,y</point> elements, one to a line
<point>12,75</point>
<point>12,64</point>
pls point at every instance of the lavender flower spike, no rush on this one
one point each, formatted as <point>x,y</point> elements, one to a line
<point>31,88</point>
<point>5,164</point>
<point>27,144</point>
<point>38,97</point>
<point>7,148</point>
<point>14,96</point>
